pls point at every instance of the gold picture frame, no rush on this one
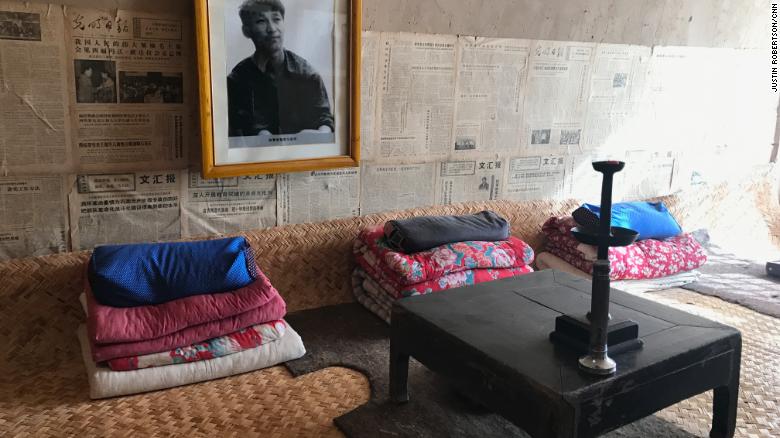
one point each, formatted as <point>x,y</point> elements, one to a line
<point>230,154</point>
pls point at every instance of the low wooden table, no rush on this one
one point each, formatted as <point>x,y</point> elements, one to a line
<point>491,341</point>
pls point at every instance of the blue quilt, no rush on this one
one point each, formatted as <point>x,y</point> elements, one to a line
<point>154,273</point>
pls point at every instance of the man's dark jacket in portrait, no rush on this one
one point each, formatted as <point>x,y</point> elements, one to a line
<point>282,102</point>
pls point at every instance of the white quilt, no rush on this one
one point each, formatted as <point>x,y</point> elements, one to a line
<point>103,382</point>
<point>369,294</point>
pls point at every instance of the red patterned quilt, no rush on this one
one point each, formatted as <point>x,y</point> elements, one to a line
<point>271,311</point>
<point>444,267</point>
<point>235,342</point>
<point>450,281</point>
<point>407,269</point>
<point>109,325</point>
<point>645,259</point>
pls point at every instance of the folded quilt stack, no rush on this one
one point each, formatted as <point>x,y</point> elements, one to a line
<point>386,273</point>
<point>662,250</point>
<point>164,315</point>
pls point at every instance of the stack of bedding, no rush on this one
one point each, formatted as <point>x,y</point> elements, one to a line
<point>165,315</point>
<point>388,270</point>
<point>546,260</point>
<point>663,256</point>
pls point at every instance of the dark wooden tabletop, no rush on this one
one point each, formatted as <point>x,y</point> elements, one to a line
<point>509,321</point>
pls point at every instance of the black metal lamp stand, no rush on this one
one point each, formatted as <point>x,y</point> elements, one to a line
<point>597,361</point>
<point>596,333</point>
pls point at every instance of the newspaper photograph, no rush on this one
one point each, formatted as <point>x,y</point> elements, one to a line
<point>556,96</point>
<point>125,208</point>
<point>489,95</point>
<point>130,89</point>
<point>369,65</point>
<point>34,125</point>
<point>415,95</point>
<point>616,87</point>
<point>23,26</point>
<point>33,216</point>
<point>530,178</point>
<point>463,181</point>
<point>151,87</point>
<point>392,187</point>
<point>318,196</point>
<point>226,205</point>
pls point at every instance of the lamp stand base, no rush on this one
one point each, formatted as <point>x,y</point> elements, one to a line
<point>573,332</point>
<point>601,366</point>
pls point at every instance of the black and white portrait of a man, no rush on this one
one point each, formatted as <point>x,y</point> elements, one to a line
<point>275,90</point>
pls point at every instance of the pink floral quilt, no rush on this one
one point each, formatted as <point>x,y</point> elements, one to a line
<point>450,281</point>
<point>108,325</point>
<point>235,342</point>
<point>271,311</point>
<point>645,259</point>
<point>408,269</point>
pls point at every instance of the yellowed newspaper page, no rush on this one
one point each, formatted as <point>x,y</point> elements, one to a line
<point>125,208</point>
<point>131,89</point>
<point>33,216</point>
<point>530,178</point>
<point>34,126</point>
<point>491,86</point>
<point>318,196</point>
<point>415,99</point>
<point>390,187</point>
<point>227,205</point>
<point>463,181</point>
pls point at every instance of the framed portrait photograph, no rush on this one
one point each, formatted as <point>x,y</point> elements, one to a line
<point>279,85</point>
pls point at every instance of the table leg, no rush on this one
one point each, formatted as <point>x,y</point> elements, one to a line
<point>724,403</point>
<point>399,373</point>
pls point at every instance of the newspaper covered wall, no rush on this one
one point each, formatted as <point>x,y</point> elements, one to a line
<point>226,205</point>
<point>106,98</point>
<point>318,195</point>
<point>33,216</point>
<point>125,208</point>
<point>34,126</point>
<point>390,187</point>
<point>131,76</point>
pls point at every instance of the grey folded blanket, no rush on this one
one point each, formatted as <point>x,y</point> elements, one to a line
<point>426,232</point>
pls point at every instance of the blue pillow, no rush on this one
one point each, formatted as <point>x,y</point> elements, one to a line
<point>650,219</point>
<point>153,273</point>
